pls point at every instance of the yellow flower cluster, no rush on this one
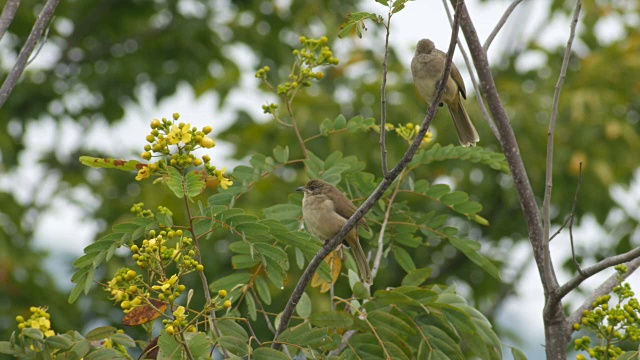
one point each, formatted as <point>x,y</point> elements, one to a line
<point>40,319</point>
<point>172,143</point>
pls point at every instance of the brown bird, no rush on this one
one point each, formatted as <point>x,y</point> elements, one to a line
<point>325,210</point>
<point>427,67</point>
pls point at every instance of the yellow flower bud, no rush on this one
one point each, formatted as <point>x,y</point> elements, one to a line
<point>150,138</point>
<point>200,267</point>
<point>207,142</point>
<point>222,293</point>
<point>206,158</point>
<point>176,116</point>
<point>146,155</point>
<point>169,329</point>
<point>155,123</point>
<point>207,129</point>
<point>227,304</point>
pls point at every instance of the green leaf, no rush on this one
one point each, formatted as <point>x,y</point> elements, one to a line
<point>468,208</point>
<point>81,348</point>
<point>174,182</point>
<point>164,219</point>
<point>281,154</point>
<point>263,290</point>
<point>251,306</point>
<point>62,342</point>
<point>169,348</point>
<point>32,333</point>
<point>438,190</point>
<point>100,333</point>
<point>340,122</point>
<point>283,212</point>
<point>333,319</point>
<point>104,354</point>
<point>360,291</point>
<point>265,353</point>
<point>109,163</point>
<point>454,198</point>
<point>252,229</point>
<point>519,355</point>
<point>123,339</point>
<point>470,249</point>
<point>382,318</point>
<point>245,173</point>
<point>230,327</point>
<point>200,346</point>
<point>403,258</point>
<point>416,277</point>
<point>303,308</point>
<point>229,282</point>
<point>234,345</point>
<point>194,184</point>
<point>6,348</point>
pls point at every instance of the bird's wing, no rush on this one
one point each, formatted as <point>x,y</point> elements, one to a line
<point>346,209</point>
<point>455,75</point>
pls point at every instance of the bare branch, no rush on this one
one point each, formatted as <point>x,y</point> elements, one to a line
<point>476,89</point>
<point>383,97</point>
<point>573,214</point>
<point>375,196</point>
<point>380,251</point>
<point>8,13</point>
<point>603,289</point>
<point>546,205</point>
<point>500,24</point>
<point>41,23</point>
<point>575,281</point>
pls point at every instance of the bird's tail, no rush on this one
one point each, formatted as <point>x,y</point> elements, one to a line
<point>467,134</point>
<point>361,261</point>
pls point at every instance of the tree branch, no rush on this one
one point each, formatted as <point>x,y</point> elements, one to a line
<point>500,24</point>
<point>546,205</point>
<point>41,23</point>
<point>603,289</point>
<point>8,13</point>
<point>383,98</point>
<point>375,196</point>
<point>587,272</point>
<point>476,89</point>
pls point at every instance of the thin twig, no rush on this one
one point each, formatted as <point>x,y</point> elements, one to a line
<point>203,277</point>
<point>603,289</point>
<point>387,214</point>
<point>546,205</point>
<point>573,213</point>
<point>42,42</point>
<point>375,196</point>
<point>566,221</point>
<point>500,24</point>
<point>17,70</point>
<point>8,13</point>
<point>474,82</point>
<point>383,96</point>
<point>295,128</point>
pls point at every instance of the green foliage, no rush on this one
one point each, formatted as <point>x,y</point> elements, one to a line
<point>597,124</point>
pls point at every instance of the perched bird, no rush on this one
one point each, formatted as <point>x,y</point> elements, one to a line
<point>427,68</point>
<point>325,210</point>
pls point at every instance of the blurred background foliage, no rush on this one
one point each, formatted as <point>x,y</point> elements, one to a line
<point>105,51</point>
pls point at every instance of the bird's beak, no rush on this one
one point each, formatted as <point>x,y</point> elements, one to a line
<point>301,189</point>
